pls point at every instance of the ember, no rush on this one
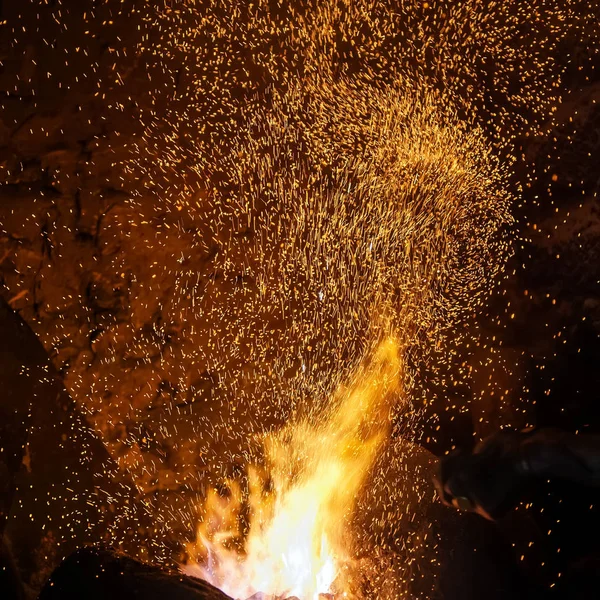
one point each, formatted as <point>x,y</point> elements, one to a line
<point>258,241</point>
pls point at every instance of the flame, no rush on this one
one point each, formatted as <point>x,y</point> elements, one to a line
<point>297,541</point>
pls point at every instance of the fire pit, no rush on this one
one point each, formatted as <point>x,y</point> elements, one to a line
<point>102,573</point>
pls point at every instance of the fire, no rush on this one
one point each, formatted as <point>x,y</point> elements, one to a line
<point>297,541</point>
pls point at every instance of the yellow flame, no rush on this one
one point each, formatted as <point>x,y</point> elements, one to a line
<point>297,540</point>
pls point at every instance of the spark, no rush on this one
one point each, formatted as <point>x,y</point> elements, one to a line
<point>298,182</point>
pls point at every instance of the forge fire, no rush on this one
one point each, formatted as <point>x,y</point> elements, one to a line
<point>265,266</point>
<point>298,541</point>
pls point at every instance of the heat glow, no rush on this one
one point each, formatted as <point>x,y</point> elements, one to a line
<point>297,541</point>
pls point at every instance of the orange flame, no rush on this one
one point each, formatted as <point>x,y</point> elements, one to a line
<point>297,541</point>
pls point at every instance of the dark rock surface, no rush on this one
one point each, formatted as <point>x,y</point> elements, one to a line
<point>58,482</point>
<point>99,574</point>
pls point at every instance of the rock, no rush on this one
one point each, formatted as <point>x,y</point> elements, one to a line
<point>94,204</point>
<point>9,160</point>
<point>61,166</point>
<point>28,172</point>
<point>59,476</point>
<point>10,582</point>
<point>39,132</point>
<point>19,383</point>
<point>4,135</point>
<point>23,210</point>
<point>99,574</point>
<point>104,293</point>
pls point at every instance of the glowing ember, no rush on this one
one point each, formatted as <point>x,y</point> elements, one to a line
<point>298,541</point>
